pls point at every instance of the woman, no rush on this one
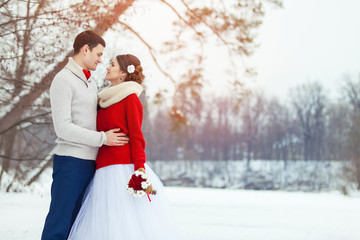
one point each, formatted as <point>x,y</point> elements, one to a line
<point>109,211</point>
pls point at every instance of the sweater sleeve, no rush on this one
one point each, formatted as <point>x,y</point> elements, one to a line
<point>60,100</point>
<point>134,115</point>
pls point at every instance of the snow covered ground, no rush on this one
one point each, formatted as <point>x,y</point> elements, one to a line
<point>218,214</point>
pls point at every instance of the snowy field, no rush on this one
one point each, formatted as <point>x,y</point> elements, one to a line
<point>217,214</point>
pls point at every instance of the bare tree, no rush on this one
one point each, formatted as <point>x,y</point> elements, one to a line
<point>309,101</point>
<point>337,131</point>
<point>273,140</point>
<point>252,114</point>
<point>352,95</point>
<point>30,63</point>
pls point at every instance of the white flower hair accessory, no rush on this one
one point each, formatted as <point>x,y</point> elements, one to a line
<point>131,68</point>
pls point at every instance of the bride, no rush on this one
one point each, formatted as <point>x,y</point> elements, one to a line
<point>109,211</point>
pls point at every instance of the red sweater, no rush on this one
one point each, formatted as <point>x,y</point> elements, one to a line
<point>126,115</point>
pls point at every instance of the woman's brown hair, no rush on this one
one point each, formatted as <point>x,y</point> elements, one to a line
<point>125,61</point>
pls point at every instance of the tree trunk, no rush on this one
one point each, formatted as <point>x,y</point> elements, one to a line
<point>37,175</point>
<point>8,148</point>
<point>357,164</point>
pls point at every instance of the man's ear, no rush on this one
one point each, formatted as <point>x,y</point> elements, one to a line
<point>85,49</point>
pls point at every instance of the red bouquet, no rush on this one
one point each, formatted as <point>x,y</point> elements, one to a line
<point>138,183</point>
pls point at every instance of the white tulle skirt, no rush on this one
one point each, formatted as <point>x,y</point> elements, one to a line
<point>109,212</point>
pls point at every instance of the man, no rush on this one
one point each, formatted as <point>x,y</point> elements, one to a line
<point>73,98</point>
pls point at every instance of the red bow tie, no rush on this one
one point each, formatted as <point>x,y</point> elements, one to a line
<point>87,73</point>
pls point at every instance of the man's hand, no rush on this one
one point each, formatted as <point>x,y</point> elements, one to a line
<point>114,138</point>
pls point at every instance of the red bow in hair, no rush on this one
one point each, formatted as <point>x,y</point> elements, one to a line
<point>87,73</point>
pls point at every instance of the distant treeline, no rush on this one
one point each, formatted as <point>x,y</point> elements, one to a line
<point>308,126</point>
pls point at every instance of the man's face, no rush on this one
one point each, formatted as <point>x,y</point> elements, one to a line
<point>93,58</point>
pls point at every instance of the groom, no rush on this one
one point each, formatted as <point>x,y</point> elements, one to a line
<point>73,98</point>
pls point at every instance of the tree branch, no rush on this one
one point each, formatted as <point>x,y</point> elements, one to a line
<point>151,51</point>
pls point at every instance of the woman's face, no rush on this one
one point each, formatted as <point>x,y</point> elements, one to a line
<point>114,74</point>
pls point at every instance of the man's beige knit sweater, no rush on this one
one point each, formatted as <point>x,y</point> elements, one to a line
<point>73,101</point>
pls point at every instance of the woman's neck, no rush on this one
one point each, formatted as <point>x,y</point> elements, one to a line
<point>116,82</point>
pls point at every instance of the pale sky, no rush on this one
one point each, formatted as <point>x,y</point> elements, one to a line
<point>305,41</point>
<point>309,40</point>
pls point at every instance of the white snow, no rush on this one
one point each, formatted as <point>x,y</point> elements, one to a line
<point>218,214</point>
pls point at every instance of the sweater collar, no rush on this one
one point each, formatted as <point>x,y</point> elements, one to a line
<point>77,70</point>
<point>114,94</point>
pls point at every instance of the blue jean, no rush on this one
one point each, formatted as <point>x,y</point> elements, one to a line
<point>71,177</point>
